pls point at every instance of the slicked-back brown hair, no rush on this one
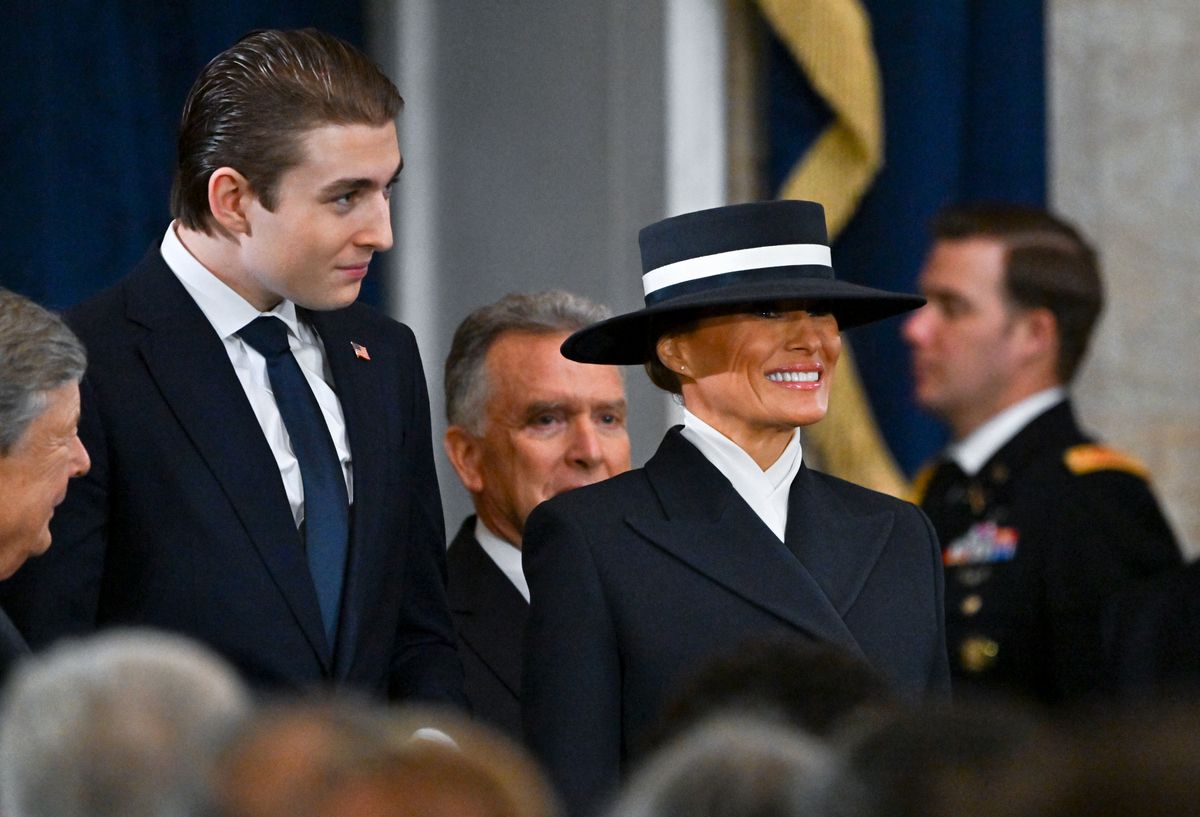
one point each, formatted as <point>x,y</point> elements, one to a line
<point>1048,265</point>
<point>253,103</point>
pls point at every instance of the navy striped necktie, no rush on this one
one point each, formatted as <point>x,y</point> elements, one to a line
<point>326,504</point>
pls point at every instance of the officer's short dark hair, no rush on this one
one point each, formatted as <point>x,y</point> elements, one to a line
<point>1049,265</point>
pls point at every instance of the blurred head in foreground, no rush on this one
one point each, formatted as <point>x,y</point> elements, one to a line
<point>122,724</point>
<point>729,767</point>
<point>344,758</point>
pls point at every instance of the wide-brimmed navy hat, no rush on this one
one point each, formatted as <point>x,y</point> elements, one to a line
<point>742,254</point>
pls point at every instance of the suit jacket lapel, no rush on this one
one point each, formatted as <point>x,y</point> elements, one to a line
<point>838,547</point>
<point>189,363</point>
<point>355,381</point>
<point>490,612</point>
<point>709,527</point>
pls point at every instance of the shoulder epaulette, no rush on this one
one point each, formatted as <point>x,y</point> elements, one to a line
<point>920,482</point>
<point>1091,457</point>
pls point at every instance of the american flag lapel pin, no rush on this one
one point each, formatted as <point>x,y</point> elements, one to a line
<point>360,351</point>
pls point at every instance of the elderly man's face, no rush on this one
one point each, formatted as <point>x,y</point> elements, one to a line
<point>551,425</point>
<point>34,475</point>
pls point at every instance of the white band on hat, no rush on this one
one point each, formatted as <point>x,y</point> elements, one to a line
<point>706,266</point>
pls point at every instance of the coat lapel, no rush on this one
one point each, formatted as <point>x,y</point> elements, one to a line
<point>489,611</point>
<point>838,546</point>
<point>189,363</point>
<point>358,390</point>
<point>709,527</point>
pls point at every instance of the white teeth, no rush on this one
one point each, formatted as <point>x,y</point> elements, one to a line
<point>794,377</point>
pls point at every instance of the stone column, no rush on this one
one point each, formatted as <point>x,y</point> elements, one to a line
<point>1125,166</point>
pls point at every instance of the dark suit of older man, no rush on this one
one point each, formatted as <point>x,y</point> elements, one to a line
<point>489,616</point>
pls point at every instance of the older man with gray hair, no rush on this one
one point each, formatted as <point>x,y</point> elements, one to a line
<point>124,724</point>
<point>41,364</point>
<point>525,424</point>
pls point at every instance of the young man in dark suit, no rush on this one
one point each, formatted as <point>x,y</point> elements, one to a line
<point>1039,523</point>
<point>263,476</point>
<point>526,424</point>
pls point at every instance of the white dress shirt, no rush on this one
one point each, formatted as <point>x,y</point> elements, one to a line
<point>974,450</point>
<point>766,492</point>
<point>506,556</point>
<point>228,312</point>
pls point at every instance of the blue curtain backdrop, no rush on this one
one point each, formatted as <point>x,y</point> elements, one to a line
<point>964,115</point>
<point>90,96</point>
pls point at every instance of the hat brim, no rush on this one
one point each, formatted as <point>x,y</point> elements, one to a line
<point>625,339</point>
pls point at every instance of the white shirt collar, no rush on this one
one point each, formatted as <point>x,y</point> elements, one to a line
<point>974,450</point>
<point>226,310</point>
<point>766,492</point>
<point>505,555</point>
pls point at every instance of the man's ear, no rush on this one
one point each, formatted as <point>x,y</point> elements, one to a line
<point>229,198</point>
<point>463,451</point>
<point>1041,330</point>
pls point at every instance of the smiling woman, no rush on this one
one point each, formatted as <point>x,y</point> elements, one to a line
<point>756,376</point>
<point>724,535</point>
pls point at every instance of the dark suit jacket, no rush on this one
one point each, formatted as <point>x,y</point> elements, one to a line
<point>489,617</point>
<point>12,646</point>
<point>637,581</point>
<point>1030,625</point>
<point>183,523</point>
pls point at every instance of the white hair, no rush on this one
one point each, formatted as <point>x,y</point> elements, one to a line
<point>38,353</point>
<point>122,724</point>
<point>727,767</point>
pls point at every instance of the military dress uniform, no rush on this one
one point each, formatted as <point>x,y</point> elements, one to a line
<point>1033,545</point>
<point>1152,636</point>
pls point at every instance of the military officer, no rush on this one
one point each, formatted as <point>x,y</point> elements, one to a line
<point>1039,523</point>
